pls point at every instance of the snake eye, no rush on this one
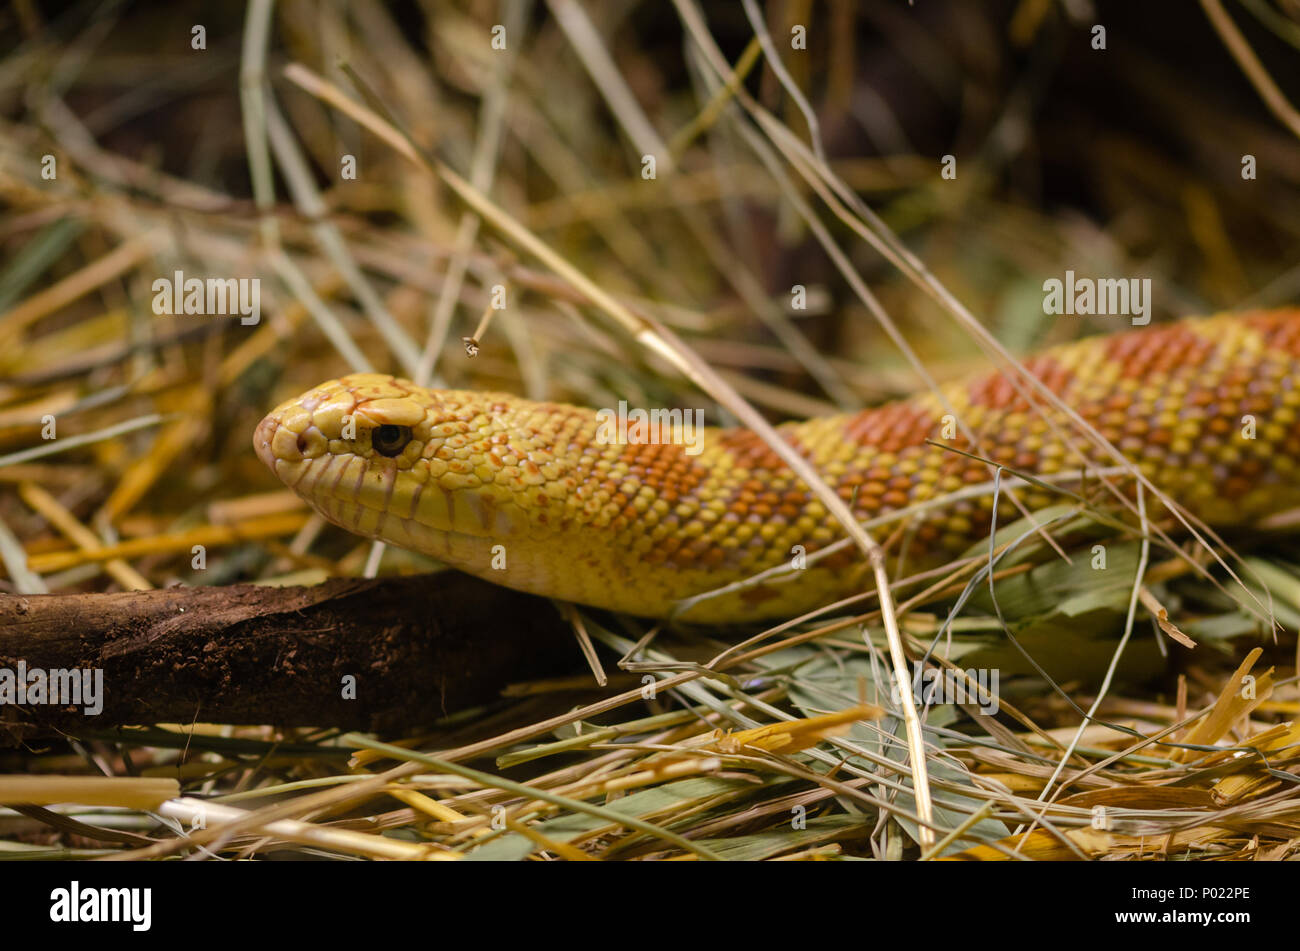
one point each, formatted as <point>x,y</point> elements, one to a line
<point>389,440</point>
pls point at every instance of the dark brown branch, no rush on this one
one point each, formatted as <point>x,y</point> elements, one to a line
<point>419,648</point>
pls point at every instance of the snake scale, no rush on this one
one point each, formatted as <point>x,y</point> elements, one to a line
<point>529,495</point>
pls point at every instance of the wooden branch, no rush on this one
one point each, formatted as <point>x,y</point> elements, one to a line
<point>418,647</point>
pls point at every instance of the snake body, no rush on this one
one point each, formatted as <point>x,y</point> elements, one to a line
<point>535,495</point>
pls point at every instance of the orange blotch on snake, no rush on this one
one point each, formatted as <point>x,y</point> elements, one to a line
<point>1157,351</point>
<point>751,451</point>
<point>1279,328</point>
<point>890,428</point>
<point>995,391</point>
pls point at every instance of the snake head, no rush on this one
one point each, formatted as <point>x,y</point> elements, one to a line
<point>526,494</point>
<point>443,472</point>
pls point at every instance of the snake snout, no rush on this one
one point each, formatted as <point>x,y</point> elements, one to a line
<point>262,438</point>
<point>289,436</point>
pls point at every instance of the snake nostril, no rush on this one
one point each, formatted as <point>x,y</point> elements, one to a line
<point>302,443</point>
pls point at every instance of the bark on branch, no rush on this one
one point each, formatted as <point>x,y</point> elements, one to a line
<point>419,647</point>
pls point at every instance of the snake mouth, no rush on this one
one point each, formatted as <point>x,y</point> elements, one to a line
<point>405,524</point>
<point>376,498</point>
<point>294,458</point>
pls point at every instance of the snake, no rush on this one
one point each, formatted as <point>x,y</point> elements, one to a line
<point>549,498</point>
